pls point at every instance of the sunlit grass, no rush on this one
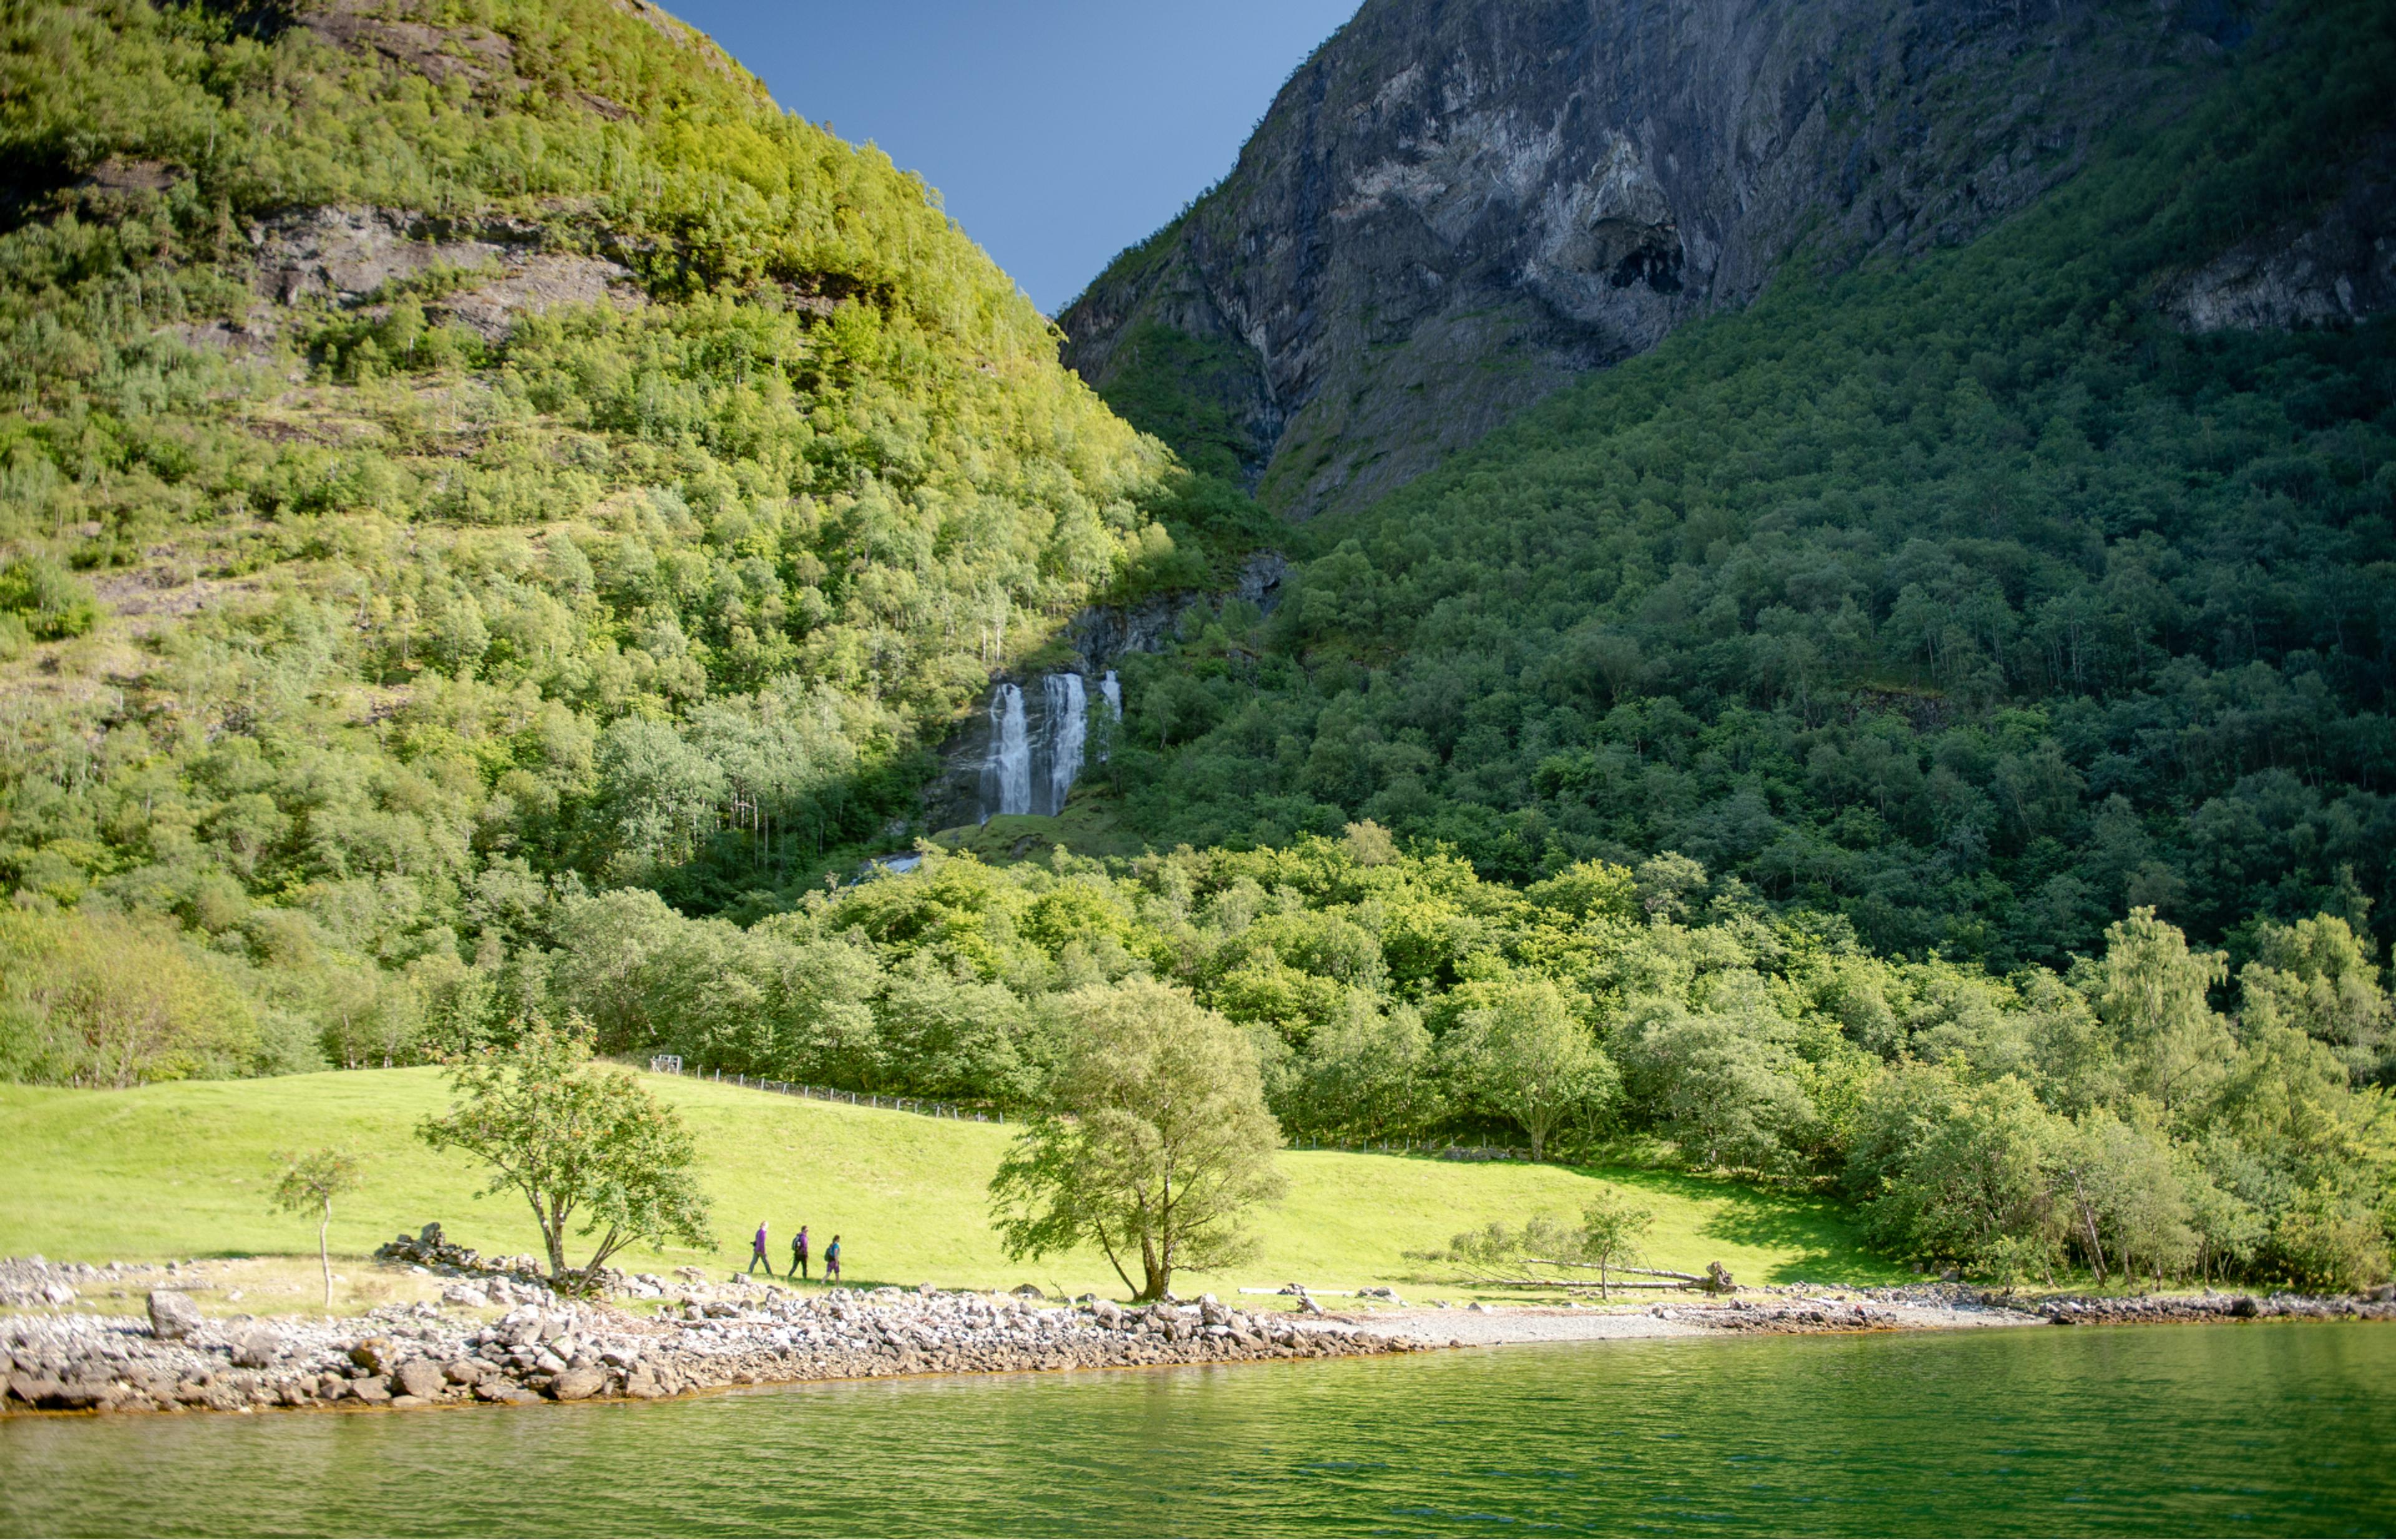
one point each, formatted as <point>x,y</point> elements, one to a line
<point>183,1171</point>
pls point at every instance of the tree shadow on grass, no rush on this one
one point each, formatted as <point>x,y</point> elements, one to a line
<point>1821,1235</point>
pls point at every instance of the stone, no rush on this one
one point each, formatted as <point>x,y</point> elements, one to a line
<point>549,1363</point>
<point>578,1385</point>
<point>257,1348</point>
<point>464,1370</point>
<point>419,1378</point>
<point>374,1355</point>
<point>172,1315</point>
<point>371,1391</point>
<point>33,1389</point>
<point>2244,1307</point>
<point>465,1295</point>
<point>642,1384</point>
<point>503,1392</point>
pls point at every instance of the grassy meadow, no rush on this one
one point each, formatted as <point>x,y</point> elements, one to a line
<point>182,1170</point>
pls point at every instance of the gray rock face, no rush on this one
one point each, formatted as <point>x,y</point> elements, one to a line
<point>348,253</point>
<point>1452,210</point>
<point>2331,268</point>
<point>172,1315</point>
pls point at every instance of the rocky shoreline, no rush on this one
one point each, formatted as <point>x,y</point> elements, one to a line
<point>426,1354</point>
<point>495,1342</point>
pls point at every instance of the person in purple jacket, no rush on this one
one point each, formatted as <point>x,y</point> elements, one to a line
<point>757,1251</point>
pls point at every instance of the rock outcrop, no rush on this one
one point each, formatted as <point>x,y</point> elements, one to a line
<point>1451,210</point>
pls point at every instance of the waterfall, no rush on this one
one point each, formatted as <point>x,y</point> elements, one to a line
<point>1068,725</point>
<point>1007,774</point>
<point>1111,691</point>
<point>1036,748</point>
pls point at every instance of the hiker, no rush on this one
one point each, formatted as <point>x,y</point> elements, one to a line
<point>757,1251</point>
<point>799,1253</point>
<point>832,1261</point>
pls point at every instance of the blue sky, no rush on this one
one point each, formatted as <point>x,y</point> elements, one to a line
<point>1058,131</point>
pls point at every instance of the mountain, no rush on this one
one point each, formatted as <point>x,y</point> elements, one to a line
<point>1975,590</point>
<point>454,452</point>
<point>1452,210</point>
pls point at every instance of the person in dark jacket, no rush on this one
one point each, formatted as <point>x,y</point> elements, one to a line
<point>799,1253</point>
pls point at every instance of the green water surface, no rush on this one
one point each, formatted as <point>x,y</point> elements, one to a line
<point>2271,1428</point>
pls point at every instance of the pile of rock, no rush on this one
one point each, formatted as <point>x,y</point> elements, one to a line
<point>419,1356</point>
<point>2075,1311</point>
<point>518,1280</point>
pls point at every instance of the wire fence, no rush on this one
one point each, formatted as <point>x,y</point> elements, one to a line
<point>1444,1150</point>
<point>916,1104</point>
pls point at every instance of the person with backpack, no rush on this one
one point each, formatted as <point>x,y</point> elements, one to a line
<point>757,1251</point>
<point>799,1253</point>
<point>832,1261</point>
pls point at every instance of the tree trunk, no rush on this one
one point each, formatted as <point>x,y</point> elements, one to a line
<point>1157,1272</point>
<point>324,1256</point>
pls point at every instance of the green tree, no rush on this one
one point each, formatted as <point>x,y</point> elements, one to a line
<point>2317,976</point>
<point>308,1183</point>
<point>1157,1146</point>
<point>574,1141</point>
<point>2150,991</point>
<point>1523,1056</point>
<point>1611,1227</point>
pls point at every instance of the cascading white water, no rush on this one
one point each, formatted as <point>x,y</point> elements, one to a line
<point>1069,728</point>
<point>1035,753</point>
<point>1007,774</point>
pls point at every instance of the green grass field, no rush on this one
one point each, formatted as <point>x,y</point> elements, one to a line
<point>182,1170</point>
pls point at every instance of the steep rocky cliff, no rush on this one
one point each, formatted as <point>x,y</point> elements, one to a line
<point>1454,208</point>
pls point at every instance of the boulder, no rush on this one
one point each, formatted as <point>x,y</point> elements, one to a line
<point>371,1391</point>
<point>505,1392</point>
<point>578,1385</point>
<point>419,1378</point>
<point>34,1389</point>
<point>374,1355</point>
<point>172,1315</point>
<point>2245,1306</point>
<point>257,1348</point>
<point>464,1370</point>
<point>465,1295</point>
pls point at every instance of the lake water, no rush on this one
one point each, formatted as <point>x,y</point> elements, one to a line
<point>2275,1428</point>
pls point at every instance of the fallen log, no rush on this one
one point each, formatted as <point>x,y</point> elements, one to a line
<point>1610,1268</point>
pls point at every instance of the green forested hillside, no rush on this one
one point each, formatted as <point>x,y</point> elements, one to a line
<point>1967,598</point>
<point>492,511</point>
<point>336,626</point>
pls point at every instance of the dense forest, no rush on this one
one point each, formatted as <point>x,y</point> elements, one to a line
<point>335,627</point>
<point>1924,738</point>
<point>1971,598</point>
